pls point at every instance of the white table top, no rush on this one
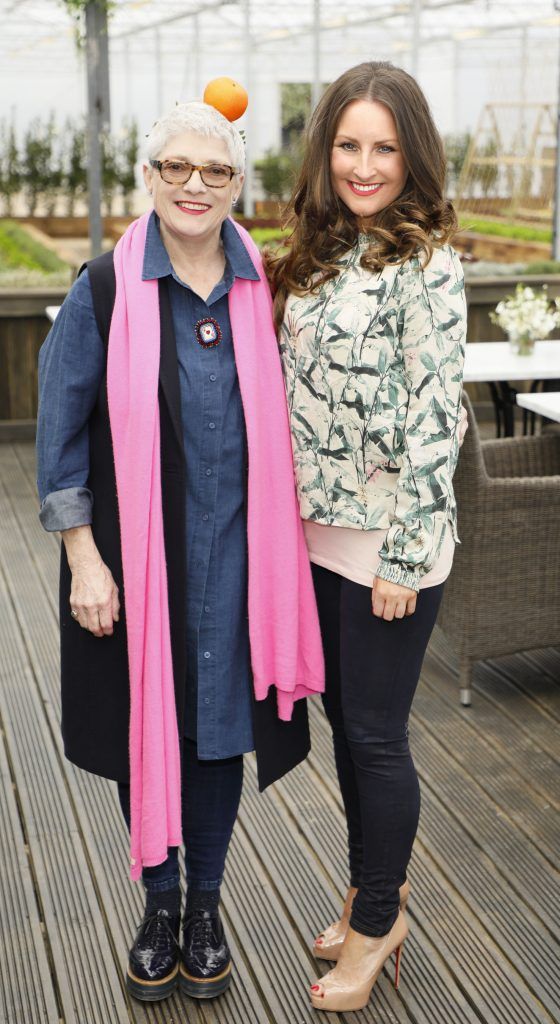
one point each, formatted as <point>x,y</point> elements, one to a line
<point>52,312</point>
<point>494,360</point>
<point>545,404</point>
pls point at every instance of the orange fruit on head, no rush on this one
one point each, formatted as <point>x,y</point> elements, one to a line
<point>227,96</point>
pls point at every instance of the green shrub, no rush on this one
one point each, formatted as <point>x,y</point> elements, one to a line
<point>264,236</point>
<point>18,250</point>
<point>21,278</point>
<point>10,182</point>
<point>543,267</point>
<point>456,147</point>
<point>278,171</point>
<point>126,166</point>
<point>74,179</point>
<point>504,229</point>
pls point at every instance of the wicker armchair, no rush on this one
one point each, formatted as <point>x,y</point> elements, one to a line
<point>503,594</point>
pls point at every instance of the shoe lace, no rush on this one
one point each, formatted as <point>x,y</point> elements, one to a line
<point>202,930</point>
<point>157,931</point>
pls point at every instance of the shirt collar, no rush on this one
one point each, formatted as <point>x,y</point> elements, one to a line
<point>157,263</point>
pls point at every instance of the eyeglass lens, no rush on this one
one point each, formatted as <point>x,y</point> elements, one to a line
<point>177,172</point>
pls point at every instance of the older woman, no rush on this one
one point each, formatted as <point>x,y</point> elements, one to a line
<point>189,629</point>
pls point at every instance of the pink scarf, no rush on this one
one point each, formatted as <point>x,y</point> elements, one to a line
<point>283,625</point>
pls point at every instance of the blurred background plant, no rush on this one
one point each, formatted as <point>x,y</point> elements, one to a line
<point>277,171</point>
<point>75,169</point>
<point>48,170</point>
<point>24,262</point>
<point>10,180</point>
<point>456,147</point>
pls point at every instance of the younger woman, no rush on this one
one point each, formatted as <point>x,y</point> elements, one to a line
<point>370,299</point>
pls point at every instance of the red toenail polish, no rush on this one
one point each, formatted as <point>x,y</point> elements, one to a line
<point>314,988</point>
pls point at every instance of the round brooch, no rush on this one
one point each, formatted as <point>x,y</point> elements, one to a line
<point>208,332</point>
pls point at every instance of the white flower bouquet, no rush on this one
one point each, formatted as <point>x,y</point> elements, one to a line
<point>526,316</point>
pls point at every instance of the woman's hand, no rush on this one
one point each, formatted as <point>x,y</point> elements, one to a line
<point>94,595</point>
<point>463,425</point>
<point>391,601</point>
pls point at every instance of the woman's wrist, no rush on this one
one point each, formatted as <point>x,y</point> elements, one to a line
<point>81,550</point>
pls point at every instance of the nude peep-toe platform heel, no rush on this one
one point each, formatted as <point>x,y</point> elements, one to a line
<point>348,985</point>
<point>328,944</point>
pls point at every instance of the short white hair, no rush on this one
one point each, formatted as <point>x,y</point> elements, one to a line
<point>201,118</point>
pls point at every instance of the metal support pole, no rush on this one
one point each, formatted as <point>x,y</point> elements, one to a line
<point>248,202</point>
<point>523,70</point>
<point>159,76</point>
<point>99,119</point>
<point>416,18</point>
<point>556,222</point>
<point>316,85</point>
<point>197,88</point>
<point>456,76</point>
<point>127,80</point>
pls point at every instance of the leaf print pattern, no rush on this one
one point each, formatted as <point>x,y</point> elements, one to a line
<point>373,367</point>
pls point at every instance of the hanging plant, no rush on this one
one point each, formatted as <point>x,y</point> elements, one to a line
<point>77,9</point>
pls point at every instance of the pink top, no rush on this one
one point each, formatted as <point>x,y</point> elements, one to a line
<point>354,553</point>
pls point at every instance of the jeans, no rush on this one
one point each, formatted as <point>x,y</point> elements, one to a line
<point>372,670</point>
<point>210,800</point>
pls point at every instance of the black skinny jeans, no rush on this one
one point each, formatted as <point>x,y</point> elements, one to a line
<point>372,670</point>
<point>210,800</point>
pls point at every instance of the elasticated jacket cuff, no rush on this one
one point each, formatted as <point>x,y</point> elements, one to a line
<point>394,572</point>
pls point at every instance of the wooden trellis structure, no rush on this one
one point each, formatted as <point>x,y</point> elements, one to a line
<point>510,162</point>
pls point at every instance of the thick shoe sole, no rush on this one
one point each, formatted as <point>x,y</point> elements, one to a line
<point>152,991</point>
<point>204,988</point>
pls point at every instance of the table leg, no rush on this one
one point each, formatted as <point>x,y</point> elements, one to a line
<point>504,399</point>
<point>497,407</point>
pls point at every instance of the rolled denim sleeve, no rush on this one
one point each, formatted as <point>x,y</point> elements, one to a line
<point>62,510</point>
<point>71,368</point>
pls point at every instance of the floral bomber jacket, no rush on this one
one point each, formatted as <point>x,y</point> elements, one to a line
<point>373,367</point>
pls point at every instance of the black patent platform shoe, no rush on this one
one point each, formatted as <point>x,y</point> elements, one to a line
<point>205,958</point>
<point>153,962</point>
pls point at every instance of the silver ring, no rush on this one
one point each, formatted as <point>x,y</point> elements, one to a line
<point>74,613</point>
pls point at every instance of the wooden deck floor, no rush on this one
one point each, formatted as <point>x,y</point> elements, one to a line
<point>485,909</point>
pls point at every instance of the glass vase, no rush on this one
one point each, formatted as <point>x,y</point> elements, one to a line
<point>522,344</point>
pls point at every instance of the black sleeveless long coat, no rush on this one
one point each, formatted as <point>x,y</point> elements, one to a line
<point>95,685</point>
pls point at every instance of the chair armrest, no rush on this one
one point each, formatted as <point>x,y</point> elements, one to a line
<point>506,503</point>
<point>522,456</point>
<point>531,493</point>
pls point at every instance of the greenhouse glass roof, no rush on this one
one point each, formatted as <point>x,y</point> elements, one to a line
<point>465,52</point>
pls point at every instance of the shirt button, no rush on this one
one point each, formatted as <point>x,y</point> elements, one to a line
<point>208,472</point>
<point>207,700</point>
<point>207,654</point>
<point>212,376</point>
<point>206,517</point>
<point>211,426</point>
<point>207,608</point>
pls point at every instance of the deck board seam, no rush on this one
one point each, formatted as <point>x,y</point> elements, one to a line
<point>35,936</point>
<point>495,743</point>
<point>491,667</point>
<point>30,655</point>
<point>479,783</point>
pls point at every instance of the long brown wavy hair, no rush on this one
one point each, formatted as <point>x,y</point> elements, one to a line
<point>323,227</point>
